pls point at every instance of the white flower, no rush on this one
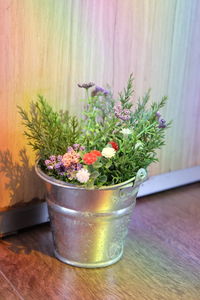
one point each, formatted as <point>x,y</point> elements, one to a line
<point>108,152</point>
<point>83,175</point>
<point>126,131</point>
<point>139,145</point>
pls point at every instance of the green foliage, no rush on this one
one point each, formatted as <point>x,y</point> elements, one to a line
<point>125,96</point>
<point>138,137</point>
<point>98,121</point>
<point>48,132</point>
<point>102,126</point>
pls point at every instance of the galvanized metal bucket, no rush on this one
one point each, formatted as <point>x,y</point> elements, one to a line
<point>89,226</point>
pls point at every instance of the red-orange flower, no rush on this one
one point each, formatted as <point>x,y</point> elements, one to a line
<point>114,145</point>
<point>89,158</point>
<point>96,152</point>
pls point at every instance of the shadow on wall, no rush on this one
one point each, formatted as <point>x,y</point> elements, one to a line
<point>23,184</point>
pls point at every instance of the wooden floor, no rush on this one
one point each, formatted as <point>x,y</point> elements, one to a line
<point>161,259</point>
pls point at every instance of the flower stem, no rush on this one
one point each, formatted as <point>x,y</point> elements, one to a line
<point>146,129</point>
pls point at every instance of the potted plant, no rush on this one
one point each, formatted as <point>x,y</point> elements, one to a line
<point>93,167</point>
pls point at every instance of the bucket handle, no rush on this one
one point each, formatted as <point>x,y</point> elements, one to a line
<point>140,177</point>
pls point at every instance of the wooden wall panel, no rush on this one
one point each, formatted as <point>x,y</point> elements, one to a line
<point>47,46</point>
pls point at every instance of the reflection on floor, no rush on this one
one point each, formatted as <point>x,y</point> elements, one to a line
<point>161,258</point>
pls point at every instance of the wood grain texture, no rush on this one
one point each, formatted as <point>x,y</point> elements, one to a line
<point>160,262</point>
<point>7,291</point>
<point>48,46</point>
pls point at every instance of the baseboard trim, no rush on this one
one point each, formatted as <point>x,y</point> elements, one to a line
<point>166,181</point>
<point>18,218</point>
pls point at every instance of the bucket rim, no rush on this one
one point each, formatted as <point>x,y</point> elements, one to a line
<point>61,183</point>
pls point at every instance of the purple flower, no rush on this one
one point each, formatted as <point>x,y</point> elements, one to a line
<point>101,90</point>
<point>55,163</point>
<point>122,114</point>
<point>58,165</point>
<point>47,162</point>
<point>126,111</point>
<point>158,114</point>
<point>61,170</point>
<point>59,158</point>
<point>70,149</point>
<point>50,167</point>
<point>76,146</point>
<point>62,173</point>
<point>162,123</point>
<point>86,85</point>
<point>52,158</point>
<point>78,167</point>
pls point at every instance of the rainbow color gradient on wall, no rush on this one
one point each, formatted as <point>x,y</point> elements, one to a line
<point>48,46</point>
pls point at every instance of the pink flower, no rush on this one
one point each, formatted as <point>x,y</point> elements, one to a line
<point>70,158</point>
